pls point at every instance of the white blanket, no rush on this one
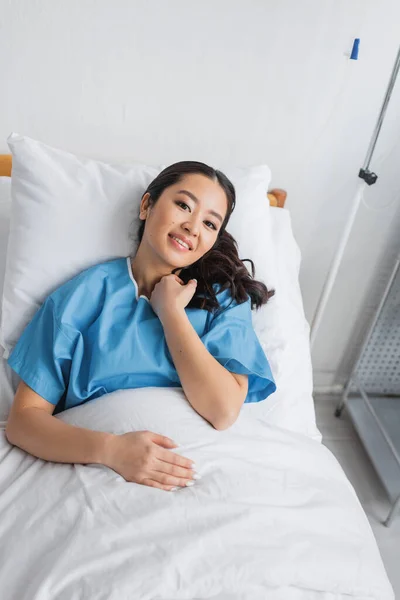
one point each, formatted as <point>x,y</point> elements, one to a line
<point>273,517</point>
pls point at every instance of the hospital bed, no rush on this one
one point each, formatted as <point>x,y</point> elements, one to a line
<point>274,516</point>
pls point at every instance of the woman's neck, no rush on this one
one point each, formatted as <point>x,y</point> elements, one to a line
<point>146,273</point>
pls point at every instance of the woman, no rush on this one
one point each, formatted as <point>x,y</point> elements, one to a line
<point>178,313</point>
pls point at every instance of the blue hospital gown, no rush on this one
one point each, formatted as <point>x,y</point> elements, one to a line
<point>94,335</point>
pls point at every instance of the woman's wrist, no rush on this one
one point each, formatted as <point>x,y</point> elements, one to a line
<point>170,315</point>
<point>105,450</point>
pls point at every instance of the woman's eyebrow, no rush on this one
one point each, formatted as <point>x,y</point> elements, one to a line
<point>193,197</point>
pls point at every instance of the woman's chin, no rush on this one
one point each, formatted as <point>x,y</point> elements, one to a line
<point>176,257</point>
<point>170,259</point>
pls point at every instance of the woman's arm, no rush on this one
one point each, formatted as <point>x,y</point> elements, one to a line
<point>32,427</point>
<point>139,456</point>
<point>213,391</point>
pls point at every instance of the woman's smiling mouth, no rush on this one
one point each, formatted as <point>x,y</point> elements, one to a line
<point>179,244</point>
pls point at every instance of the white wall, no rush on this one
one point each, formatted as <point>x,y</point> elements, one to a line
<point>229,82</point>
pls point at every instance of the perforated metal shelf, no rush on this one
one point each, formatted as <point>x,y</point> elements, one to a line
<point>379,366</point>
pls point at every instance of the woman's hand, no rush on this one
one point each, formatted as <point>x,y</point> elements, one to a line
<point>140,457</point>
<point>170,294</point>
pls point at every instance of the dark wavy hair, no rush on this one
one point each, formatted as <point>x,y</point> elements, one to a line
<point>221,264</point>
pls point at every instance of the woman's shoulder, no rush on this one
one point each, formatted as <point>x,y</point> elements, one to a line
<point>80,294</point>
<point>225,298</point>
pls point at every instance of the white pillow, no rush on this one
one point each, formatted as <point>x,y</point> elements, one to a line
<point>69,213</point>
<point>285,338</point>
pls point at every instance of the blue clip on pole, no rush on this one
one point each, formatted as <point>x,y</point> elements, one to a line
<point>354,52</point>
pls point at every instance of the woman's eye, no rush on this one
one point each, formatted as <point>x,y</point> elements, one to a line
<point>184,204</point>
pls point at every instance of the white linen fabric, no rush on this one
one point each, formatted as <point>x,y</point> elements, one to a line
<point>273,516</point>
<point>285,336</point>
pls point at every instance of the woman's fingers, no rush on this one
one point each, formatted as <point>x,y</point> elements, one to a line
<point>175,471</point>
<point>171,480</point>
<point>169,469</point>
<point>174,459</point>
<point>172,469</point>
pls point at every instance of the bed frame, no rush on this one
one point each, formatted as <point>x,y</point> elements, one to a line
<point>276,196</point>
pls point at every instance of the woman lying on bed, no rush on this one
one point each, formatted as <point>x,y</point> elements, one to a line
<point>178,313</point>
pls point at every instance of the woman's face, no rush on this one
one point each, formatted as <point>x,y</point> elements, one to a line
<point>193,210</point>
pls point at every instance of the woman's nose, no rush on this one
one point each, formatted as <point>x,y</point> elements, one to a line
<point>192,227</point>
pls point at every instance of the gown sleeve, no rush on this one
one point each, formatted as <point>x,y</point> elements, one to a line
<point>43,354</point>
<point>232,341</point>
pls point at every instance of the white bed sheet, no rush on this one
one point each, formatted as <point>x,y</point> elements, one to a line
<point>273,517</point>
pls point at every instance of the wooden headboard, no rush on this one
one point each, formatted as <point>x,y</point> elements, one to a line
<point>5,165</point>
<point>276,196</point>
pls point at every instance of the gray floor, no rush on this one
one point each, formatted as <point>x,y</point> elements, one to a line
<point>342,439</point>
